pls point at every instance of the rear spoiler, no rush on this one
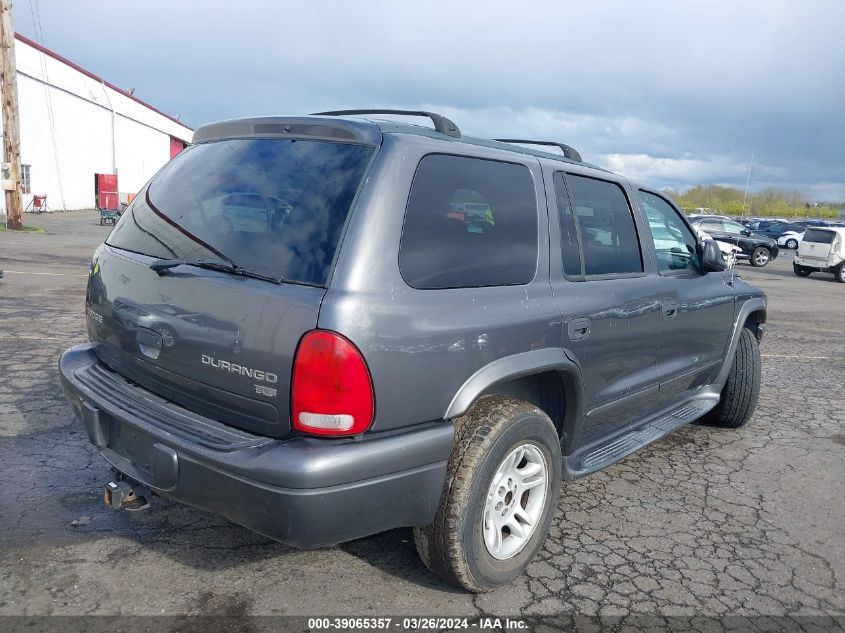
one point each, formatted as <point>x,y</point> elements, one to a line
<point>309,128</point>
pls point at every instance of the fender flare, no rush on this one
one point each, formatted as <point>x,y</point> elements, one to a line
<point>751,305</point>
<point>517,366</point>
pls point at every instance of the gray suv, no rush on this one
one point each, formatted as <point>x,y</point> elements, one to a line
<point>403,327</point>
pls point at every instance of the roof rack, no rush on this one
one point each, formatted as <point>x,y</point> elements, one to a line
<point>568,151</point>
<point>441,123</point>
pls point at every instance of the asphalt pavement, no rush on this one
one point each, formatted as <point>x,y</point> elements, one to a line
<point>707,521</point>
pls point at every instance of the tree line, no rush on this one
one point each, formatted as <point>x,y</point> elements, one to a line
<point>770,202</point>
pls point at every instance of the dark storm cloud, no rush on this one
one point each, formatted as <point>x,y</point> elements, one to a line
<point>671,93</point>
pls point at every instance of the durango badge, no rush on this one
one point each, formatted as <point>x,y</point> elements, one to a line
<point>234,368</point>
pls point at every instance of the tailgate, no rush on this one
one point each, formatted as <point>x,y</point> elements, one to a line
<point>221,342</point>
<point>219,345</point>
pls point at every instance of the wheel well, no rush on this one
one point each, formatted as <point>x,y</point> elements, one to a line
<point>756,322</point>
<point>546,390</point>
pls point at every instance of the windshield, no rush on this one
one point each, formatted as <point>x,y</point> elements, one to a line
<point>273,206</point>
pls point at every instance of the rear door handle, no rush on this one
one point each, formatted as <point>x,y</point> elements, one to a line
<point>578,329</point>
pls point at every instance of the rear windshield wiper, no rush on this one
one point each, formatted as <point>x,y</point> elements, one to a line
<point>161,266</point>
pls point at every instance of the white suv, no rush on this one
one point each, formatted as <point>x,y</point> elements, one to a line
<point>822,249</point>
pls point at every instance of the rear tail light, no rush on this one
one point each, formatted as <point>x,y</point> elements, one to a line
<point>331,389</point>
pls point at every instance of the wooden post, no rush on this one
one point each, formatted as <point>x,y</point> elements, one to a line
<point>11,125</point>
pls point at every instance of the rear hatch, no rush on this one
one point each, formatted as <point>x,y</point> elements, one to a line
<point>816,245</point>
<point>257,223</point>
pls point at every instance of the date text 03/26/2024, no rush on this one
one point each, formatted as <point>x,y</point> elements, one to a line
<point>414,623</point>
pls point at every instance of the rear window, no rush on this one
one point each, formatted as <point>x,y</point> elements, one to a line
<point>273,206</point>
<point>469,223</point>
<point>818,236</point>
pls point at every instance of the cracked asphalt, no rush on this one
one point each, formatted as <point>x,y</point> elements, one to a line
<point>707,521</point>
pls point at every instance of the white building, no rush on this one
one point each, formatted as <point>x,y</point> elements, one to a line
<point>75,125</point>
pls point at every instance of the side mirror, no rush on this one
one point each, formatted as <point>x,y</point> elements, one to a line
<point>746,232</point>
<point>711,257</point>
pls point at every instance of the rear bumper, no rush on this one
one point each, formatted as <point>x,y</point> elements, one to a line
<point>304,492</point>
<point>826,264</point>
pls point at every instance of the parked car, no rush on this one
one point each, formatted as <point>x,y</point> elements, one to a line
<point>791,239</point>
<point>400,362</point>
<point>821,250</point>
<point>758,249</point>
<point>759,225</point>
<point>779,228</point>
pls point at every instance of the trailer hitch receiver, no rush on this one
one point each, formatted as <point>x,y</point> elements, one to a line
<point>123,495</point>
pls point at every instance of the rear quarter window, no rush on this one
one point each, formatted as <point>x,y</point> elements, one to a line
<point>469,222</point>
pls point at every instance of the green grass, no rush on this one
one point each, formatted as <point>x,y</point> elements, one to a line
<point>25,229</point>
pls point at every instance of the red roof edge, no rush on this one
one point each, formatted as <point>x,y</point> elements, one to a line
<point>64,60</point>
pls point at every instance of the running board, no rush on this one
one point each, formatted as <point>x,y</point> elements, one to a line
<point>604,455</point>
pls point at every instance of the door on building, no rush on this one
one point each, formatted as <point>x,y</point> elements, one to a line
<point>176,146</point>
<point>105,190</point>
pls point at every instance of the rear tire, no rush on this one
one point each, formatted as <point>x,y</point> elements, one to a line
<point>792,243</point>
<point>801,271</point>
<point>473,509</point>
<point>760,256</point>
<point>840,273</point>
<point>742,389</point>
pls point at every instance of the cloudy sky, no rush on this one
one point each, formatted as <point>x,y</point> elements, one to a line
<point>672,93</point>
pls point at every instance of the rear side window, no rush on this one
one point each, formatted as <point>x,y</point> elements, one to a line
<point>608,234</point>
<point>469,223</point>
<point>819,237</point>
<point>273,206</point>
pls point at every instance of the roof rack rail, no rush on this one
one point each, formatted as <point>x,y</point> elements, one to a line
<point>568,151</point>
<point>441,123</point>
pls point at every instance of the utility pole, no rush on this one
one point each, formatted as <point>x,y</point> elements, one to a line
<point>11,125</point>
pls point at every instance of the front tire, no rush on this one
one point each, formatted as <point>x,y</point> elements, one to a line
<point>741,391</point>
<point>792,243</point>
<point>500,495</point>
<point>760,256</point>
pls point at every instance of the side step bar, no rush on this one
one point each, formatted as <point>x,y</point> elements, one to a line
<point>598,457</point>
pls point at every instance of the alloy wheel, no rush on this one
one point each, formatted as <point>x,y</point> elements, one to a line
<point>515,501</point>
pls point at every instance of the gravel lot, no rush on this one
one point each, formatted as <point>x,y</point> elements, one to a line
<point>706,521</point>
